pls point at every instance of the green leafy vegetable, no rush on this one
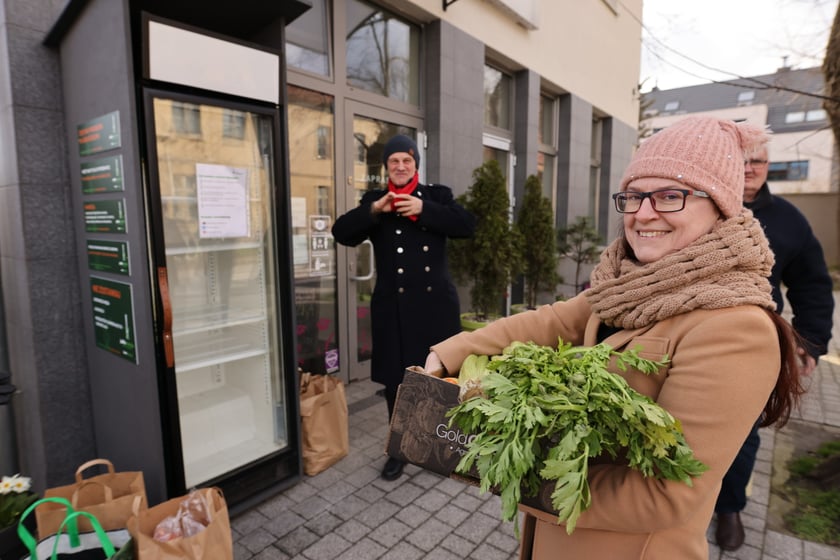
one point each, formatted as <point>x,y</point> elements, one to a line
<point>546,412</point>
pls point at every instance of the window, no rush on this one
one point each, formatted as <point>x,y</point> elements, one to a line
<point>361,147</point>
<point>383,53</point>
<point>746,96</point>
<point>787,171</point>
<point>324,207</point>
<point>815,115</point>
<point>547,154</point>
<point>547,173</point>
<point>672,106</point>
<point>233,124</point>
<point>596,144</point>
<point>186,118</point>
<point>324,142</point>
<point>547,105</point>
<point>307,40</point>
<point>795,117</point>
<point>497,98</point>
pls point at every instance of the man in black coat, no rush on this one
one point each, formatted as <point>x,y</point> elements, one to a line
<point>800,266</point>
<point>414,303</point>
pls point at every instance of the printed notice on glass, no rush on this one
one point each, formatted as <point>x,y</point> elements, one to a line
<point>222,201</point>
<point>99,134</point>
<point>102,175</point>
<point>113,317</point>
<point>105,216</point>
<point>108,256</point>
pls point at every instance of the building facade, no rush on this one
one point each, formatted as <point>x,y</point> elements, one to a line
<point>545,88</point>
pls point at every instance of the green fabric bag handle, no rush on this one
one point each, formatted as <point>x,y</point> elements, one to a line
<point>70,521</point>
<point>31,542</point>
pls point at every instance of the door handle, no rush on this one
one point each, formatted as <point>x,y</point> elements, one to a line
<point>168,348</point>
<point>369,275</point>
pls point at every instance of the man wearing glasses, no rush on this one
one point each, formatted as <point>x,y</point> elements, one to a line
<point>800,266</point>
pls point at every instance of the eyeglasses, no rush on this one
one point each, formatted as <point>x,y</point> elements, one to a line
<point>755,162</point>
<point>663,200</point>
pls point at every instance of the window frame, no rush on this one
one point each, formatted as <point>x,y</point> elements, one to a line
<point>788,170</point>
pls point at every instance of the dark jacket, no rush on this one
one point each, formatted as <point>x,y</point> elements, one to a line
<point>800,266</point>
<point>414,302</point>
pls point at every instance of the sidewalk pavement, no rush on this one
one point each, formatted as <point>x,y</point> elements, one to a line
<point>348,513</point>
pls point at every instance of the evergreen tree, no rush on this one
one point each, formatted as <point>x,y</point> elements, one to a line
<point>488,260</point>
<point>581,243</point>
<point>535,224</point>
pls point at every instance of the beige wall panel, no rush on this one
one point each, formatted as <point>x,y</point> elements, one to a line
<point>582,47</point>
<point>814,147</point>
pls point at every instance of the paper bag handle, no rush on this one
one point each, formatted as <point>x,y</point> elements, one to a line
<point>136,505</point>
<point>106,490</point>
<point>92,463</point>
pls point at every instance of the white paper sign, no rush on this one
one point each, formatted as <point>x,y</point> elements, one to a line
<point>222,201</point>
<point>298,212</point>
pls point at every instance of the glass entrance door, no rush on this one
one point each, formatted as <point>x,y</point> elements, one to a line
<point>213,171</point>
<point>369,132</point>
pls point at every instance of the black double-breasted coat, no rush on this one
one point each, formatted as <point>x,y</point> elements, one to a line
<point>414,302</point>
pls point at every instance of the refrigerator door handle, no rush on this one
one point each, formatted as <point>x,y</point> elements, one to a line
<point>163,285</point>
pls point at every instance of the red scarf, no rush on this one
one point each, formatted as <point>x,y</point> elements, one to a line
<point>408,188</point>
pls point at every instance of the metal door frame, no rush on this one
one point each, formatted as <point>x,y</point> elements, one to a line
<point>353,369</point>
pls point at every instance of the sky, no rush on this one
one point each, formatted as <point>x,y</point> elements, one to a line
<point>691,42</point>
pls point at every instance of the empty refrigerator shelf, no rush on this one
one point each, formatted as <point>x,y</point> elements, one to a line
<point>219,346</point>
<point>202,319</point>
<point>212,247</point>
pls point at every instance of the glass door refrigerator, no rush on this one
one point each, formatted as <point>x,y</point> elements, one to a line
<point>224,305</point>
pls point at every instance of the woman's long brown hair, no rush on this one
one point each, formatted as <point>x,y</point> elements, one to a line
<point>789,388</point>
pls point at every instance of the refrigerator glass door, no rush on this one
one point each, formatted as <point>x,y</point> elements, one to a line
<point>214,166</point>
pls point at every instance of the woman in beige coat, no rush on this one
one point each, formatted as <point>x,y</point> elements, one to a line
<point>688,278</point>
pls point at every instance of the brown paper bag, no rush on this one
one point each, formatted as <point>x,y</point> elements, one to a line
<point>323,411</point>
<point>112,498</point>
<point>212,542</point>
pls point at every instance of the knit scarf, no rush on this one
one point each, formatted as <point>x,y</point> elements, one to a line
<point>726,267</point>
<point>408,188</point>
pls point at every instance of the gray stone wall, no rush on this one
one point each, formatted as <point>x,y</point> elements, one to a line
<point>573,159</point>
<point>38,260</point>
<point>454,105</point>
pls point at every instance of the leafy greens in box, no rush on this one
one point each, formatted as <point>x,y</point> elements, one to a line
<point>544,413</point>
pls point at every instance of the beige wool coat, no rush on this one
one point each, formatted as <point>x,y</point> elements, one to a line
<point>723,365</point>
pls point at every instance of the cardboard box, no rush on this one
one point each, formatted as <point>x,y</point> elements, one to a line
<point>420,432</point>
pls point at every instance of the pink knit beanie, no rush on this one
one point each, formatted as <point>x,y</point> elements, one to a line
<point>705,153</point>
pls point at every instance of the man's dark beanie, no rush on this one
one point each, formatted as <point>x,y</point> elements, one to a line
<point>400,143</point>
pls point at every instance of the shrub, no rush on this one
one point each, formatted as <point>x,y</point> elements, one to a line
<point>490,259</point>
<point>535,224</point>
